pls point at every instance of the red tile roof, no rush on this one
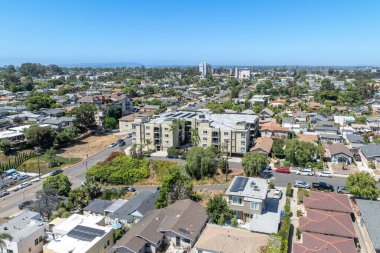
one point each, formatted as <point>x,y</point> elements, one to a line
<point>317,243</point>
<point>271,126</point>
<point>328,223</point>
<point>328,201</point>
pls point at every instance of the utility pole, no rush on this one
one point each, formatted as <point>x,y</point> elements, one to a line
<point>38,150</point>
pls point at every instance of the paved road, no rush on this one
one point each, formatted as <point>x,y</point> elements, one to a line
<point>76,173</point>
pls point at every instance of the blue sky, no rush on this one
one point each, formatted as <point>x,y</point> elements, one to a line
<point>235,32</point>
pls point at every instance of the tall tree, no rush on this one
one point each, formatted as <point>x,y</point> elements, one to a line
<point>6,147</point>
<point>43,137</point>
<point>253,162</point>
<point>85,115</point>
<point>362,185</point>
<point>175,186</point>
<point>217,210</point>
<point>59,182</point>
<point>200,162</point>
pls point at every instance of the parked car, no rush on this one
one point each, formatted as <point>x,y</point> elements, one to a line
<point>324,174</point>
<point>357,157</point>
<point>4,186</point>
<point>56,172</point>
<point>322,186</point>
<point>277,194</point>
<point>25,204</point>
<point>24,185</point>
<point>172,156</point>
<point>129,189</point>
<point>305,172</point>
<point>121,143</point>
<point>13,182</point>
<point>129,135</point>
<point>267,167</point>
<point>3,193</point>
<point>301,184</point>
<point>342,189</point>
<point>113,144</point>
<point>23,177</point>
<point>283,170</point>
<point>14,176</point>
<point>182,157</point>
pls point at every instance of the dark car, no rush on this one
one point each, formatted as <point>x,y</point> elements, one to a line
<point>56,172</point>
<point>14,182</point>
<point>25,204</point>
<point>182,157</point>
<point>357,157</point>
<point>129,189</point>
<point>342,189</point>
<point>283,170</point>
<point>172,156</point>
<point>323,186</point>
<point>121,143</point>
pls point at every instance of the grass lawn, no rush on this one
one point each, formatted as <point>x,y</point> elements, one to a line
<point>376,140</point>
<point>31,165</point>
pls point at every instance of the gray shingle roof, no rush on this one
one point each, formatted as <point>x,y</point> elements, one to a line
<point>354,138</point>
<point>371,150</point>
<point>370,210</point>
<point>98,206</point>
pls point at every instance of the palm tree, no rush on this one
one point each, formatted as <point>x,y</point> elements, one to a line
<point>3,238</point>
<point>194,137</point>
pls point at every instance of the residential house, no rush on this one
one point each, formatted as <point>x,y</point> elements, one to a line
<point>330,138</point>
<point>79,234</point>
<point>150,108</point>
<point>259,99</point>
<point>343,120</point>
<point>134,209</point>
<point>274,130</point>
<point>308,137</point>
<point>247,196</point>
<point>374,124</point>
<point>215,239</point>
<point>328,201</point>
<point>371,153</point>
<point>294,125</point>
<point>361,128</point>
<point>58,123</point>
<point>339,153</point>
<point>346,130</point>
<point>177,226</point>
<point>52,112</point>
<point>263,145</point>
<point>354,141</point>
<point>369,219</point>
<point>97,207</point>
<point>312,243</point>
<point>27,230</point>
<point>266,113</point>
<point>325,127</point>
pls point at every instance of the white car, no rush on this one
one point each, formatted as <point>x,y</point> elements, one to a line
<point>305,172</point>
<point>324,174</point>
<point>24,185</point>
<point>277,194</point>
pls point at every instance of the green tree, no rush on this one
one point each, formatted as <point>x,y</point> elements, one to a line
<point>38,100</point>
<point>217,210</point>
<point>43,137</point>
<point>51,156</point>
<point>85,115</point>
<point>6,147</point>
<point>175,186</point>
<point>78,199</point>
<point>3,238</point>
<point>66,136</point>
<point>92,188</point>
<point>253,162</point>
<point>299,153</point>
<point>200,162</point>
<point>278,148</point>
<point>362,185</point>
<point>59,182</point>
<point>110,123</point>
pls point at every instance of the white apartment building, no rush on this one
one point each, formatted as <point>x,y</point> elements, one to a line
<point>27,231</point>
<point>242,73</point>
<point>204,69</point>
<point>228,132</point>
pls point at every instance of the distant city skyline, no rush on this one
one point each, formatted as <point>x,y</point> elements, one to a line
<point>241,33</point>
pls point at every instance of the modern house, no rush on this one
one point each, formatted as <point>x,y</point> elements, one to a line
<point>247,196</point>
<point>79,234</point>
<point>27,230</point>
<point>178,226</point>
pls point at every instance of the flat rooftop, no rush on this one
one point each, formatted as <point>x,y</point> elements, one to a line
<point>218,120</point>
<point>22,225</point>
<point>248,187</point>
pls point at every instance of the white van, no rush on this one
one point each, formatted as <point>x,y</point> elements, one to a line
<point>305,172</point>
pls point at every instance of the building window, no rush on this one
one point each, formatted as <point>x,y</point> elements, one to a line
<point>147,134</point>
<point>40,239</point>
<point>242,142</point>
<point>166,129</point>
<point>147,127</point>
<point>36,241</point>
<point>108,242</point>
<point>205,138</point>
<point>255,205</point>
<point>186,241</point>
<point>225,133</point>
<point>242,150</point>
<point>166,135</point>
<point>204,131</point>
<point>235,200</point>
<point>9,251</point>
<point>205,145</point>
<point>242,135</point>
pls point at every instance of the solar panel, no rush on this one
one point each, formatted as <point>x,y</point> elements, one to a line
<point>85,233</point>
<point>192,115</point>
<point>239,184</point>
<point>186,115</point>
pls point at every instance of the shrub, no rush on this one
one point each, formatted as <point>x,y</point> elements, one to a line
<point>271,185</point>
<point>286,163</point>
<point>301,194</point>
<point>234,222</point>
<point>298,233</point>
<point>299,213</point>
<point>288,190</point>
<point>122,170</point>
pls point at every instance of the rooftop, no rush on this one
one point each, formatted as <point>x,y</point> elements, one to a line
<point>317,243</point>
<point>370,210</point>
<point>328,201</point>
<point>226,121</point>
<point>248,187</point>
<point>22,225</point>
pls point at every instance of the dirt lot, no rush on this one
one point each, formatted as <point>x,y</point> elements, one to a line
<point>88,146</point>
<point>344,170</point>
